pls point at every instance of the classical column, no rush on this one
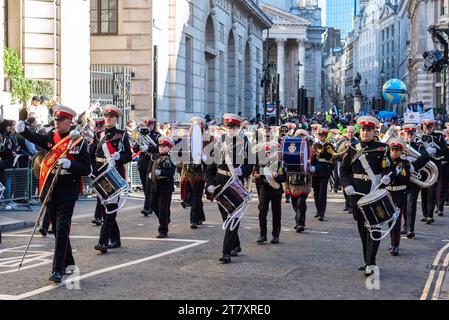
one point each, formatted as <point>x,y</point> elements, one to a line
<point>281,68</point>
<point>302,60</point>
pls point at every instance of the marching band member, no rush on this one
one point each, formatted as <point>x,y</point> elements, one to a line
<point>110,149</point>
<point>194,176</point>
<point>335,179</point>
<point>290,133</point>
<point>438,152</point>
<point>148,128</point>
<point>413,190</point>
<point>350,136</point>
<point>99,214</point>
<point>446,167</point>
<point>443,186</point>
<point>399,173</point>
<point>361,171</point>
<point>270,190</point>
<point>322,167</point>
<point>67,187</point>
<point>218,174</point>
<point>163,184</point>
<point>299,185</point>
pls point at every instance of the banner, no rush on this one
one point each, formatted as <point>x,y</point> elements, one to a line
<point>428,115</point>
<point>412,117</point>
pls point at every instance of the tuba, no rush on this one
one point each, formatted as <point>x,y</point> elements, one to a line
<point>141,139</point>
<point>430,169</point>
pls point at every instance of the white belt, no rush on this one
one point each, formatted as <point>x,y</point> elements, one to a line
<point>101,160</point>
<point>444,162</point>
<point>364,176</point>
<point>324,160</point>
<point>224,172</point>
<point>396,188</point>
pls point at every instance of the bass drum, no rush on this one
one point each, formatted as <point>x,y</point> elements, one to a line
<point>196,144</point>
<point>296,154</point>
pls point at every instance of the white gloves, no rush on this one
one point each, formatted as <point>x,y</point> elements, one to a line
<point>20,127</point>
<point>385,180</point>
<point>312,169</point>
<point>349,190</point>
<point>116,156</point>
<point>238,171</point>
<point>204,157</point>
<point>65,163</point>
<point>211,189</point>
<point>158,172</point>
<point>144,148</point>
<point>431,151</point>
<point>410,159</point>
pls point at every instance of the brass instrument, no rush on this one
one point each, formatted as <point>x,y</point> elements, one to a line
<point>140,139</point>
<point>426,140</point>
<point>334,152</point>
<point>86,133</point>
<point>430,169</point>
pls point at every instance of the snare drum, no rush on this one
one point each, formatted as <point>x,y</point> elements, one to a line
<point>295,154</point>
<point>378,209</point>
<point>233,196</point>
<point>109,185</point>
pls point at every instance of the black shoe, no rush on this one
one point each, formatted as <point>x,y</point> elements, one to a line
<point>43,232</point>
<point>300,229</point>
<point>262,239</point>
<point>369,271</point>
<point>146,212</point>
<point>423,219</point>
<point>51,231</point>
<point>346,209</point>
<point>321,219</point>
<point>404,231</point>
<point>101,248</point>
<point>162,236</point>
<point>430,221</point>
<point>96,222</point>
<point>226,258</point>
<point>183,204</point>
<point>275,240</point>
<point>395,251</point>
<point>295,227</point>
<point>115,244</point>
<point>410,235</point>
<point>194,226</point>
<point>201,222</point>
<point>441,214</point>
<point>56,277</point>
<point>361,268</point>
<point>235,251</point>
<point>317,215</point>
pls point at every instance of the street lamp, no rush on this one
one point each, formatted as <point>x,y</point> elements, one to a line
<point>366,94</point>
<point>301,97</point>
<point>382,77</point>
<point>298,68</point>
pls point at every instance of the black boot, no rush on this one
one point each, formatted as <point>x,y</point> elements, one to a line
<point>226,258</point>
<point>262,239</point>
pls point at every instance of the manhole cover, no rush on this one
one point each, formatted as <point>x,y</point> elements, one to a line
<point>244,268</point>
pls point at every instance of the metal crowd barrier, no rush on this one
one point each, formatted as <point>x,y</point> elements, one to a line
<point>17,191</point>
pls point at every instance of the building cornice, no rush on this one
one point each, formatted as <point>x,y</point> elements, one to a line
<point>258,13</point>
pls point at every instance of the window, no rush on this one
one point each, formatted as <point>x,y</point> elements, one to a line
<point>103,16</point>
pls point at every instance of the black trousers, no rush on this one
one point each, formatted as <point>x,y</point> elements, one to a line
<point>319,185</point>
<point>61,219</point>
<point>160,204</point>
<point>300,206</point>
<point>267,196</point>
<point>109,229</point>
<point>443,187</point>
<point>196,210</point>
<point>99,211</point>
<point>231,239</point>
<point>146,185</point>
<point>410,208</point>
<point>188,193</point>
<point>395,233</point>
<point>429,199</point>
<point>46,220</point>
<point>370,247</point>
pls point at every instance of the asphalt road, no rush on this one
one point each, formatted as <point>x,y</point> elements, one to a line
<point>320,263</point>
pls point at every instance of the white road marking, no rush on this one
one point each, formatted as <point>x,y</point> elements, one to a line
<point>124,238</point>
<point>436,292</point>
<point>108,269</point>
<point>429,281</point>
